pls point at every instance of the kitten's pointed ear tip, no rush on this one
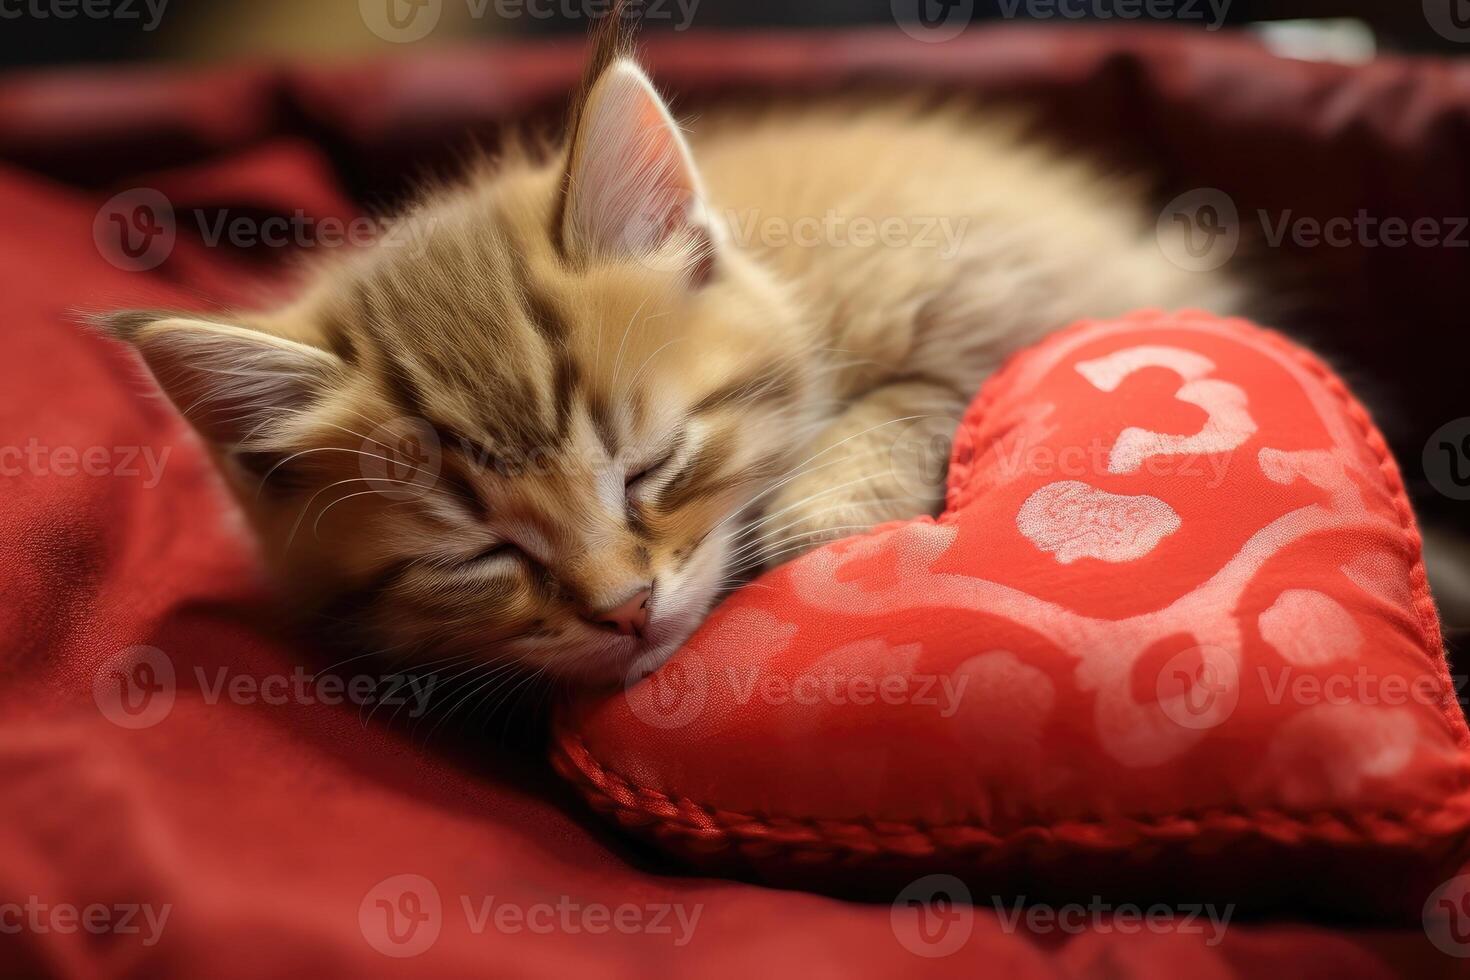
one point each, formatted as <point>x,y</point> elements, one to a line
<point>628,68</point>
<point>627,73</point>
<point>122,324</point>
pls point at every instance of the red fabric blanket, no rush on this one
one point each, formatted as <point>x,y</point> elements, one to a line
<point>179,797</point>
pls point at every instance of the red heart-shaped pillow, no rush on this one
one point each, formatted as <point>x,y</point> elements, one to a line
<point>1172,634</point>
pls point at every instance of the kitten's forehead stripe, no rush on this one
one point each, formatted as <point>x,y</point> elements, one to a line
<point>567,381</point>
<point>541,311</point>
<point>453,472</point>
<point>545,317</point>
<point>400,379</point>
<point>599,412</point>
<point>490,351</point>
<point>701,474</point>
<point>338,334</point>
<point>540,308</point>
<point>769,383</point>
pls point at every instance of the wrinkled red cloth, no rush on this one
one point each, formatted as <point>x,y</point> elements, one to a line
<point>199,832</point>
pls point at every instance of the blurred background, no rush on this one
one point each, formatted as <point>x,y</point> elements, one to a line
<point>1283,143</point>
<point>62,32</point>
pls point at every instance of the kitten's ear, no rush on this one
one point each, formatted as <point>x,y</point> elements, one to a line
<point>230,382</point>
<point>631,188</point>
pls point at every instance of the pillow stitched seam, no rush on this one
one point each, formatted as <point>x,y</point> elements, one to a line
<point>645,801</point>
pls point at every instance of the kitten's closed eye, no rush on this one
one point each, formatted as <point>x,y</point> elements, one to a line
<point>499,552</point>
<point>636,478</point>
<point>661,465</point>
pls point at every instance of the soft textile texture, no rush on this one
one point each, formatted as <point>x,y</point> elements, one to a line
<point>1172,626</point>
<point>269,827</point>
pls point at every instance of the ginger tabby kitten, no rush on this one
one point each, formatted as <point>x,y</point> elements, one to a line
<point>644,364</point>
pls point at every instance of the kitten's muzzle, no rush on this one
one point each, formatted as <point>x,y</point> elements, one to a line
<point>627,618</point>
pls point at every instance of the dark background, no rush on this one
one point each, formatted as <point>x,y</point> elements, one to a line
<point>210,30</point>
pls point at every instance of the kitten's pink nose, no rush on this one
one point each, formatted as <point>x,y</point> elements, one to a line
<point>627,618</point>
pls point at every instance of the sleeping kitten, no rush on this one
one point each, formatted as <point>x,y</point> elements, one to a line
<point>644,366</point>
